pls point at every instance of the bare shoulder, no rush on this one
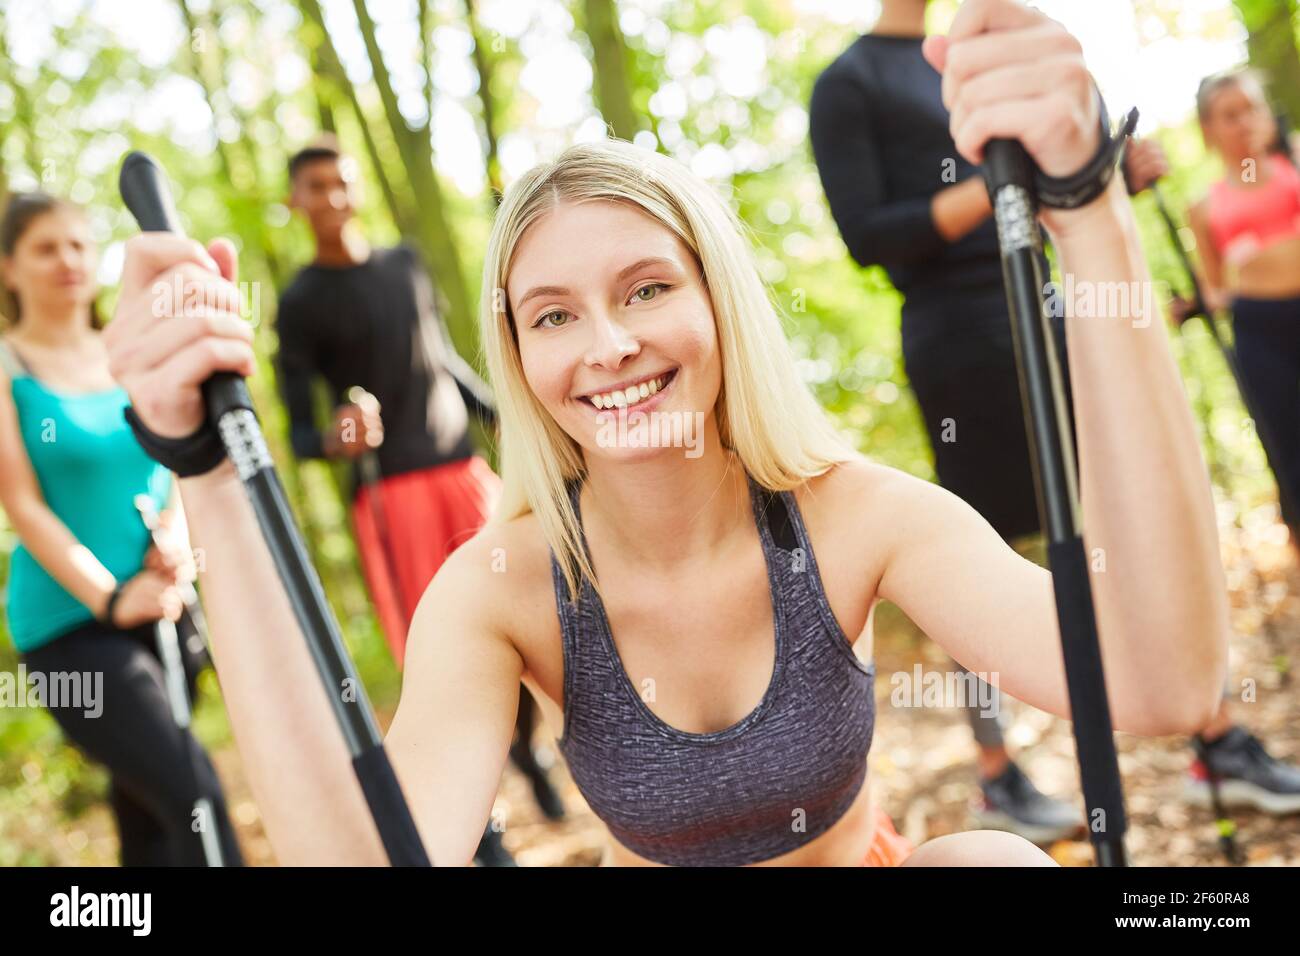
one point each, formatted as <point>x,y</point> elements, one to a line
<point>870,506</point>
<point>500,580</point>
<point>862,490</point>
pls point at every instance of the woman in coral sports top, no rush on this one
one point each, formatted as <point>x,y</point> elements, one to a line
<point>1248,234</point>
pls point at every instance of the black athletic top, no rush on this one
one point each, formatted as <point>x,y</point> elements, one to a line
<point>376,325</point>
<point>880,137</point>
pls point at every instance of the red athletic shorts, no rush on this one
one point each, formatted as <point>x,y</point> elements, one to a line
<point>426,514</point>
<point>888,846</point>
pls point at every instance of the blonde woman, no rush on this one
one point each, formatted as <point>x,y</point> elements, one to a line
<point>704,656</point>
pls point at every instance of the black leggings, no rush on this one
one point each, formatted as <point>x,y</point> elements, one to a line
<point>152,762</point>
<point>1267,335</point>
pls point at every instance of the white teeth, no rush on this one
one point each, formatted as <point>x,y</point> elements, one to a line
<point>630,395</point>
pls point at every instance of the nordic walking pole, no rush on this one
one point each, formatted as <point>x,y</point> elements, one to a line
<point>230,408</point>
<point>1010,180</point>
<point>368,467</point>
<point>1226,826</point>
<point>178,697</point>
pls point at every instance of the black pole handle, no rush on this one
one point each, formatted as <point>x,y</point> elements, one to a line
<point>1007,163</point>
<point>146,194</point>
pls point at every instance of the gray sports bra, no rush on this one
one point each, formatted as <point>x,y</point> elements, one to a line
<point>763,787</point>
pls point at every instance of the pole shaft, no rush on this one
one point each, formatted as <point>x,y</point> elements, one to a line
<point>1009,170</point>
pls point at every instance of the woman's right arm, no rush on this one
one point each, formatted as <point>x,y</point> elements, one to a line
<point>48,539</point>
<point>448,740</point>
<point>452,730</point>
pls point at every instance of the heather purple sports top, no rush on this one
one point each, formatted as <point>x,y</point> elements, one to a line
<point>764,786</point>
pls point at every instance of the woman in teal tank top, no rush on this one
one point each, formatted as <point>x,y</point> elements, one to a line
<point>86,584</point>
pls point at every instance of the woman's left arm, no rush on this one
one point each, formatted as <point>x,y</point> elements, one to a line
<point>1150,530</point>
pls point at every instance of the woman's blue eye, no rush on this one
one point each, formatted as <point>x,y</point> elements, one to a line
<point>654,287</point>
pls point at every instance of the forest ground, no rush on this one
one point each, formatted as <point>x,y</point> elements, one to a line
<point>921,763</point>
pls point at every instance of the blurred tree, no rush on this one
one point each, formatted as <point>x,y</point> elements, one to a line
<point>610,61</point>
<point>483,66</point>
<point>434,229</point>
<point>1271,44</point>
<point>329,71</point>
<point>238,153</point>
<point>324,99</point>
<point>6,298</point>
<point>23,111</point>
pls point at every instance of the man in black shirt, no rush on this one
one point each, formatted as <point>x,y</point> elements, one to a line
<point>367,318</point>
<point>903,197</point>
<point>362,317</point>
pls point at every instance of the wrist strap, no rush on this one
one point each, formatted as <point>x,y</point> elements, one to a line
<point>1081,188</point>
<point>107,617</point>
<point>194,454</point>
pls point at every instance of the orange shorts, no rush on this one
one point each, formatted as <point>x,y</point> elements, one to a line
<point>427,515</point>
<point>888,846</point>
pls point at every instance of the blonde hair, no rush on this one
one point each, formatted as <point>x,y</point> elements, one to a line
<point>765,412</point>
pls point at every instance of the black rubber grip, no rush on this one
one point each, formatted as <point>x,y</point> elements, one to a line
<point>145,192</point>
<point>1006,163</point>
<point>1089,709</point>
<point>382,791</point>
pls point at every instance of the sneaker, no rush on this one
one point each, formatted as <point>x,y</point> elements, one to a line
<point>1011,802</point>
<point>547,799</point>
<point>546,796</point>
<point>1248,776</point>
<point>491,851</point>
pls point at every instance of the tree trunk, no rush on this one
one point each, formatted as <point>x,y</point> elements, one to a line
<point>483,66</point>
<point>1271,46</point>
<point>613,92</point>
<point>437,239</point>
<point>324,103</point>
<point>6,298</point>
<point>240,165</point>
<point>326,60</point>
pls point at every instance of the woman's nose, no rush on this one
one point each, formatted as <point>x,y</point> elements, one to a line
<point>611,341</point>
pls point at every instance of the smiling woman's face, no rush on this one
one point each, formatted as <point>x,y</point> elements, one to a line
<point>605,299</point>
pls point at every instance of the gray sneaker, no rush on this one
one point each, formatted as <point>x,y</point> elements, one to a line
<point>1011,802</point>
<point>1248,776</point>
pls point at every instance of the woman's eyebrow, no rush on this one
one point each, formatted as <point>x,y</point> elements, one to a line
<point>543,290</point>
<point>622,274</point>
<point>642,263</point>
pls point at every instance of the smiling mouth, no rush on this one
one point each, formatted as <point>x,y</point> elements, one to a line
<point>632,395</point>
